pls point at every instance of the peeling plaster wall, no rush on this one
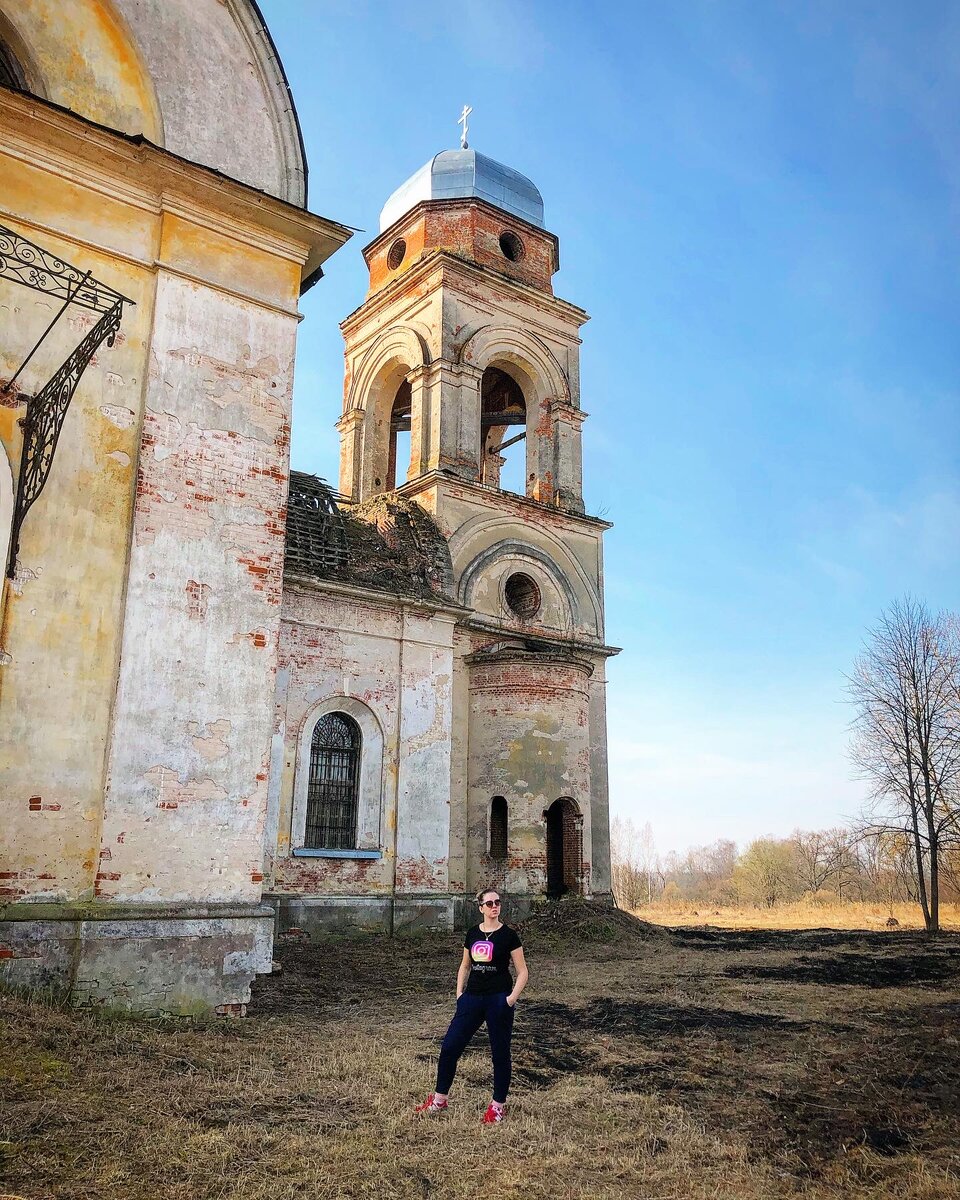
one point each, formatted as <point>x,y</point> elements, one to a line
<point>138,639</point>
<point>60,632</point>
<point>599,782</point>
<point>397,660</point>
<point>529,742</point>
<point>190,748</point>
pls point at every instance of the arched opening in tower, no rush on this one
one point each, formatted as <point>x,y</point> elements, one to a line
<point>564,847</point>
<point>503,420</point>
<point>398,467</point>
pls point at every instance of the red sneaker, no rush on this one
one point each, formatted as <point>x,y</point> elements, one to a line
<point>494,1114</point>
<point>431,1105</point>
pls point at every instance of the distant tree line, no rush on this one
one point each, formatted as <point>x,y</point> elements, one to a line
<point>829,866</point>
<point>905,846</point>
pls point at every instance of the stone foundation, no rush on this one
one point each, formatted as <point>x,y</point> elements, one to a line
<point>178,959</point>
<point>383,914</point>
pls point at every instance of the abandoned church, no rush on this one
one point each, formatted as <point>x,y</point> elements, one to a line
<point>236,699</point>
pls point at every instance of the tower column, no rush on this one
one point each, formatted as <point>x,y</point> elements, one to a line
<point>350,428</point>
<point>567,455</point>
<point>454,432</point>
<point>421,380</point>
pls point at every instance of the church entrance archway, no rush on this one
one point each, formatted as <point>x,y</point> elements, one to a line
<point>564,847</point>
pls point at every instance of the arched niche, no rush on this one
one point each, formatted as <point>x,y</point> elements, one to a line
<point>485,587</point>
<point>201,78</point>
<point>482,546</point>
<point>84,56</point>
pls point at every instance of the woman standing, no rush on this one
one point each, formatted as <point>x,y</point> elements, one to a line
<point>485,992</point>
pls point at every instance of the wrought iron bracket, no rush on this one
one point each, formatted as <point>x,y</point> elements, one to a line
<point>23,262</point>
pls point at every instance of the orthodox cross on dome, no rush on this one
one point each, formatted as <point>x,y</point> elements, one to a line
<point>467,110</point>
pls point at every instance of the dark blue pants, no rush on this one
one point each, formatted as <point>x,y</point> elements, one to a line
<point>471,1013</point>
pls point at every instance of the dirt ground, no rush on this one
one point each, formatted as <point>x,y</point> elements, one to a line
<point>649,1062</point>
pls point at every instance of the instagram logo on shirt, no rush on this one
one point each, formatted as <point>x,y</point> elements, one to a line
<point>482,952</point>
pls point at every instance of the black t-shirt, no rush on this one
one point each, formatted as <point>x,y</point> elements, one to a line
<point>490,960</point>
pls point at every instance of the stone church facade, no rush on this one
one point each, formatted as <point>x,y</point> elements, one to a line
<point>233,699</point>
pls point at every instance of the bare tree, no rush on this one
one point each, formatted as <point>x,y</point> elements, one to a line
<point>634,862</point>
<point>817,855</point>
<point>905,688</point>
<point>848,873</point>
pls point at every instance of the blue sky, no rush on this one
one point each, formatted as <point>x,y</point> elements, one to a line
<point>758,203</point>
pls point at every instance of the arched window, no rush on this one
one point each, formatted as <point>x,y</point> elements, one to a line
<point>503,420</point>
<point>498,827</point>
<point>334,784</point>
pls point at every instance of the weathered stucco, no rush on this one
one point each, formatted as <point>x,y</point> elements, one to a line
<point>198,77</point>
<point>341,648</point>
<point>138,637</point>
<point>530,743</point>
<point>190,752</point>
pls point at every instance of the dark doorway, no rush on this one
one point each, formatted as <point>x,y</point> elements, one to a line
<point>564,847</point>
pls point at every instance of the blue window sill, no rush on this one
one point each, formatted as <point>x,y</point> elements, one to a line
<point>304,852</point>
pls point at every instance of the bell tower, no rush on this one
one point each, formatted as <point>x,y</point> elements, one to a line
<point>462,392</point>
<point>461,352</point>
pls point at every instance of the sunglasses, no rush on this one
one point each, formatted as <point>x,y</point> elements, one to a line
<point>489,903</point>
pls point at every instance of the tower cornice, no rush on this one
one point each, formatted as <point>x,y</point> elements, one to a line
<point>460,269</point>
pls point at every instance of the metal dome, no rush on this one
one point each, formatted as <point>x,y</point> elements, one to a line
<point>457,174</point>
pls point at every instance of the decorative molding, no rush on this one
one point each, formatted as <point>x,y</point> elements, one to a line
<point>79,150</point>
<point>286,123</point>
<point>446,264</point>
<point>485,523</point>
<point>401,344</point>
<point>509,549</point>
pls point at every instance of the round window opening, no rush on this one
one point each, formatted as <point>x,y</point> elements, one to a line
<point>397,253</point>
<point>522,596</point>
<point>511,246</point>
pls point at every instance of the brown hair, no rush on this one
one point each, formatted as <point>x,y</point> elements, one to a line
<point>483,892</point>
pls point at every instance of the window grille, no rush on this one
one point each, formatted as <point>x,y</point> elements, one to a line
<point>498,827</point>
<point>334,785</point>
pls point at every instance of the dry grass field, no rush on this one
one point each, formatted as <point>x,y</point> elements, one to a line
<point>801,915</point>
<point>650,1063</point>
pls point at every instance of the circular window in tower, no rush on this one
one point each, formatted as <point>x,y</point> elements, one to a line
<point>522,596</point>
<point>396,254</point>
<point>511,246</point>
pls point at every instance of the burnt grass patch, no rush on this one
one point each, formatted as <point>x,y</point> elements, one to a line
<point>860,970</point>
<point>806,1046</point>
